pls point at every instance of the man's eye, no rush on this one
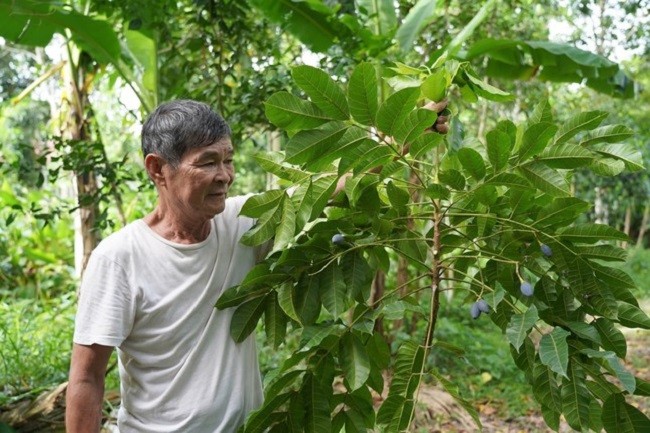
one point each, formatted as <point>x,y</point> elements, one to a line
<point>228,161</point>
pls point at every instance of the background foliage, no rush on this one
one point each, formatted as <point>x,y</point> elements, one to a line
<point>237,55</point>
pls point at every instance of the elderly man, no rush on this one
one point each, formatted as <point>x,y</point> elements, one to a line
<point>150,289</point>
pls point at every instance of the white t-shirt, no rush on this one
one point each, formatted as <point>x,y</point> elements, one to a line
<point>154,300</point>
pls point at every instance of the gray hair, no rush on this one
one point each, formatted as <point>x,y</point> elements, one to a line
<point>177,126</point>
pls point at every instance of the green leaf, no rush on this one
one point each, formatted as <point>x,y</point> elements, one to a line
<point>285,300</point>
<point>265,227</point>
<point>322,90</point>
<point>612,338</point>
<point>589,233</point>
<point>632,158</point>
<point>279,383</point>
<point>272,162</point>
<point>395,108</point>
<point>286,229</point>
<point>357,275</point>
<point>631,316</point>
<point>545,179</point>
<point>554,351</point>
<point>415,124</point>
<point>291,113</point>
<point>275,321</point>
<point>306,298</point>
<point>509,180</point>
<point>453,178</point>
<point>561,212</point>
<point>333,290</point>
<point>499,147</point>
<point>607,167</point>
<point>575,398</point>
<point>608,134</point>
<point>321,191</point>
<point>585,330</point>
<point>620,417</point>
<point>408,369</point>
<point>551,417</point>
<point>425,143</point>
<point>579,122</point>
<point>313,335</point>
<point>395,412</point>
<point>143,47</point>
<point>258,421</point>
<point>487,91</point>
<point>398,197</point>
<point>535,139</point>
<point>419,16</point>
<point>362,94</point>
<point>541,113</point>
<point>627,379</point>
<point>245,318</point>
<point>604,252</point>
<point>545,388</point>
<point>472,162</point>
<point>550,61</point>
<point>311,26</point>
<point>567,157</point>
<point>355,361</point>
<point>258,204</point>
<point>34,23</point>
<point>318,415</point>
<point>309,146</point>
<point>295,415</point>
<point>520,325</point>
<point>434,86</point>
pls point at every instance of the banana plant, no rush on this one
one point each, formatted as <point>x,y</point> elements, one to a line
<point>90,44</point>
<point>375,30</point>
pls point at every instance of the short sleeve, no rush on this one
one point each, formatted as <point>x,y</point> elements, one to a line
<point>106,307</point>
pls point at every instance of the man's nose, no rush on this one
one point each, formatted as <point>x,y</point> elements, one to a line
<point>222,174</point>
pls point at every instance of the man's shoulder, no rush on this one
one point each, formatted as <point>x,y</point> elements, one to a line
<point>120,241</point>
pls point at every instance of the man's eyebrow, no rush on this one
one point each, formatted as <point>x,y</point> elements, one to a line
<point>210,153</point>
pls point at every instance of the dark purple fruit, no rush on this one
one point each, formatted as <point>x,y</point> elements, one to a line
<point>338,239</point>
<point>526,289</point>
<point>546,250</point>
<point>483,306</point>
<point>475,311</point>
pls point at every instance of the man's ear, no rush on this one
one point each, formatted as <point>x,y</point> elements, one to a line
<point>154,165</point>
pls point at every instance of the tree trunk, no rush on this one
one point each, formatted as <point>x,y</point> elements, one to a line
<point>378,289</point>
<point>75,128</point>
<point>627,225</point>
<point>644,225</point>
<point>273,139</point>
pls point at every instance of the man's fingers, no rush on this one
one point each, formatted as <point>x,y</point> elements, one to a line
<point>436,106</point>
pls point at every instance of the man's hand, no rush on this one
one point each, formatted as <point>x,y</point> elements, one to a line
<point>442,122</point>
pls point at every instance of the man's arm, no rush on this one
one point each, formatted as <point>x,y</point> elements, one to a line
<point>85,393</point>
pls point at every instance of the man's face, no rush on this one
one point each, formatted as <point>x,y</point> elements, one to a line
<point>199,185</point>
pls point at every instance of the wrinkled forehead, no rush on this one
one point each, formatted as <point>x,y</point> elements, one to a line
<point>222,148</point>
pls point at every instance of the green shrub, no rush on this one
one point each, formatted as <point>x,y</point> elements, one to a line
<point>638,266</point>
<point>36,337</point>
